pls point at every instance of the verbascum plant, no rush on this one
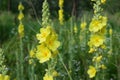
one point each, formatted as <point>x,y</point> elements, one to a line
<point>97,40</point>
<point>20,17</point>
<point>45,14</point>
<point>61,11</point>
<point>3,68</point>
<point>20,56</point>
<point>46,50</point>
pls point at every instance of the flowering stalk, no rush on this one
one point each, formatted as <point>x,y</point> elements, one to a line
<point>61,11</point>
<point>32,64</point>
<point>46,51</point>
<point>97,39</point>
<point>20,57</point>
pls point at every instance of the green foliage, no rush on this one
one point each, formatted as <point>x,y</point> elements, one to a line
<point>6,25</point>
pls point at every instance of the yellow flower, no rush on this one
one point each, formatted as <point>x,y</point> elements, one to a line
<point>20,7</point>
<point>96,41</point>
<point>55,73</point>
<point>97,25</point>
<point>52,42</point>
<point>48,77</point>
<point>43,54</point>
<point>1,77</point>
<point>103,66</point>
<point>75,29</point>
<point>21,30</point>
<point>61,3</point>
<point>103,1</point>
<point>61,16</point>
<point>32,53</point>
<point>110,31</point>
<point>91,50</point>
<point>102,31</point>
<point>91,71</point>
<point>4,77</point>
<point>97,59</point>
<point>44,33</point>
<point>103,20</point>
<point>20,16</point>
<point>83,25</point>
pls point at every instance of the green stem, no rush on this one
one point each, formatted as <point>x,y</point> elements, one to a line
<point>65,67</point>
<point>32,73</point>
<point>17,66</point>
<point>21,59</point>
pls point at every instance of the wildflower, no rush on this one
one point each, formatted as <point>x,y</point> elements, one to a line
<point>1,77</point>
<point>97,59</point>
<point>20,7</point>
<point>48,77</point>
<point>20,16</point>
<point>44,32</point>
<point>61,16</point>
<point>97,25</point>
<point>32,53</point>
<point>110,31</point>
<point>96,40</point>
<point>61,3</point>
<point>21,30</point>
<point>103,1</point>
<point>75,28</point>
<point>102,31</point>
<point>83,25</point>
<point>4,77</point>
<point>52,42</point>
<point>43,54</point>
<point>55,73</point>
<point>103,66</point>
<point>91,71</point>
<point>91,50</point>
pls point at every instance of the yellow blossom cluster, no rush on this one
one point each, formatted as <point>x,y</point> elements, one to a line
<point>98,24</point>
<point>97,29</point>
<point>103,1</point>
<point>60,12</point>
<point>50,76</point>
<point>96,40</point>
<point>20,17</point>
<point>48,44</point>
<point>4,77</point>
<point>83,25</point>
<point>91,71</point>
